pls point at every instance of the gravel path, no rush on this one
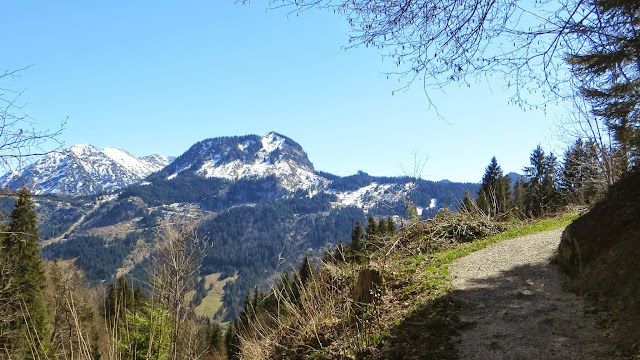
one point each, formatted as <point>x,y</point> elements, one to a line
<point>514,307</point>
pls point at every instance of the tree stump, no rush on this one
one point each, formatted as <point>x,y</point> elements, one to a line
<point>369,286</point>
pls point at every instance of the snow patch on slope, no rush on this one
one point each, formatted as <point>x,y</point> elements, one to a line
<point>371,195</point>
<point>376,194</point>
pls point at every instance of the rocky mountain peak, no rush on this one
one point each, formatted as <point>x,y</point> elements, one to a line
<point>249,156</point>
<point>83,169</point>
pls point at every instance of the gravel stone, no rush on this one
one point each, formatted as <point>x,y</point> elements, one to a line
<point>515,308</point>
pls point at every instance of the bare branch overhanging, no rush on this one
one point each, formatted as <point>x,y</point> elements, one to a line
<point>525,43</point>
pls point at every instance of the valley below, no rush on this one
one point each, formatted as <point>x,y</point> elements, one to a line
<point>257,203</point>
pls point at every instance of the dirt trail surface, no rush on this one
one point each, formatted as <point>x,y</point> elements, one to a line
<point>514,307</point>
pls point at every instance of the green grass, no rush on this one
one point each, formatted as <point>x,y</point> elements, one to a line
<point>527,229</point>
<point>213,301</point>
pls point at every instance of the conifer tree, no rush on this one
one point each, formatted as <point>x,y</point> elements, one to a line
<point>355,252</point>
<point>306,272</point>
<point>607,64</point>
<point>541,195</point>
<point>494,196</point>
<point>383,228</point>
<point>231,342</point>
<point>519,194</point>
<point>22,255</point>
<point>372,227</point>
<point>581,179</point>
<point>215,337</point>
<point>339,252</point>
<point>391,225</point>
<point>371,236</point>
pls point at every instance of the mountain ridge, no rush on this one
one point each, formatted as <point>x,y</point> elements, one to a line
<point>257,200</point>
<point>83,169</point>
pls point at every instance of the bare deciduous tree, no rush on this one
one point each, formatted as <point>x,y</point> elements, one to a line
<point>443,41</point>
<point>548,47</point>
<point>20,139</point>
<point>175,268</point>
<point>580,123</point>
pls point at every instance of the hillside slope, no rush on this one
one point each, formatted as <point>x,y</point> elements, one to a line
<point>601,251</point>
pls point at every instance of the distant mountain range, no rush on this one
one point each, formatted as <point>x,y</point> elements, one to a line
<point>84,170</point>
<point>257,200</point>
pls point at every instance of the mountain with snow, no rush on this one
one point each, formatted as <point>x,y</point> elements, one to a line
<point>84,169</point>
<point>250,157</point>
<point>257,198</point>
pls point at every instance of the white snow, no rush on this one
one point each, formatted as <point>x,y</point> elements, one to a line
<point>371,195</point>
<point>84,169</point>
<point>272,141</point>
<point>127,161</point>
<point>433,203</point>
<point>291,176</point>
<point>245,145</point>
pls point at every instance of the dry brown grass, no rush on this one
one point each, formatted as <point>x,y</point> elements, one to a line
<point>328,324</point>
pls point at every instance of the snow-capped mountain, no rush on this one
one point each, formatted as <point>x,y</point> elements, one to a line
<point>250,168</point>
<point>84,170</point>
<point>250,156</point>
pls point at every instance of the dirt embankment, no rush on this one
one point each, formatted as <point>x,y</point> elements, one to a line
<point>601,250</point>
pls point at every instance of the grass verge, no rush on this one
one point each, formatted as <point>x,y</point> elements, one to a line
<point>557,222</point>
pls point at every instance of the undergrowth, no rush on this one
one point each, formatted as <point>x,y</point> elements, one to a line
<point>410,316</point>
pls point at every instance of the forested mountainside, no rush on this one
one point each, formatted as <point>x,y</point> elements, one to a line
<point>257,201</point>
<point>251,228</point>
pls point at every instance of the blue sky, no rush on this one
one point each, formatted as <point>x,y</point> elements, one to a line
<point>158,76</point>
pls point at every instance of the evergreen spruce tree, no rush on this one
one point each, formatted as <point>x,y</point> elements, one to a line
<point>467,203</point>
<point>607,66</point>
<point>306,272</point>
<point>215,337</point>
<point>231,343</point>
<point>356,237</point>
<point>383,228</point>
<point>519,194</point>
<point>20,247</point>
<point>581,180</point>
<point>541,195</point>
<point>494,196</point>
<point>286,287</point>
<point>302,278</point>
<point>372,227</point>
<point>355,252</point>
<point>371,236</point>
<point>391,226</point>
<point>111,302</point>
